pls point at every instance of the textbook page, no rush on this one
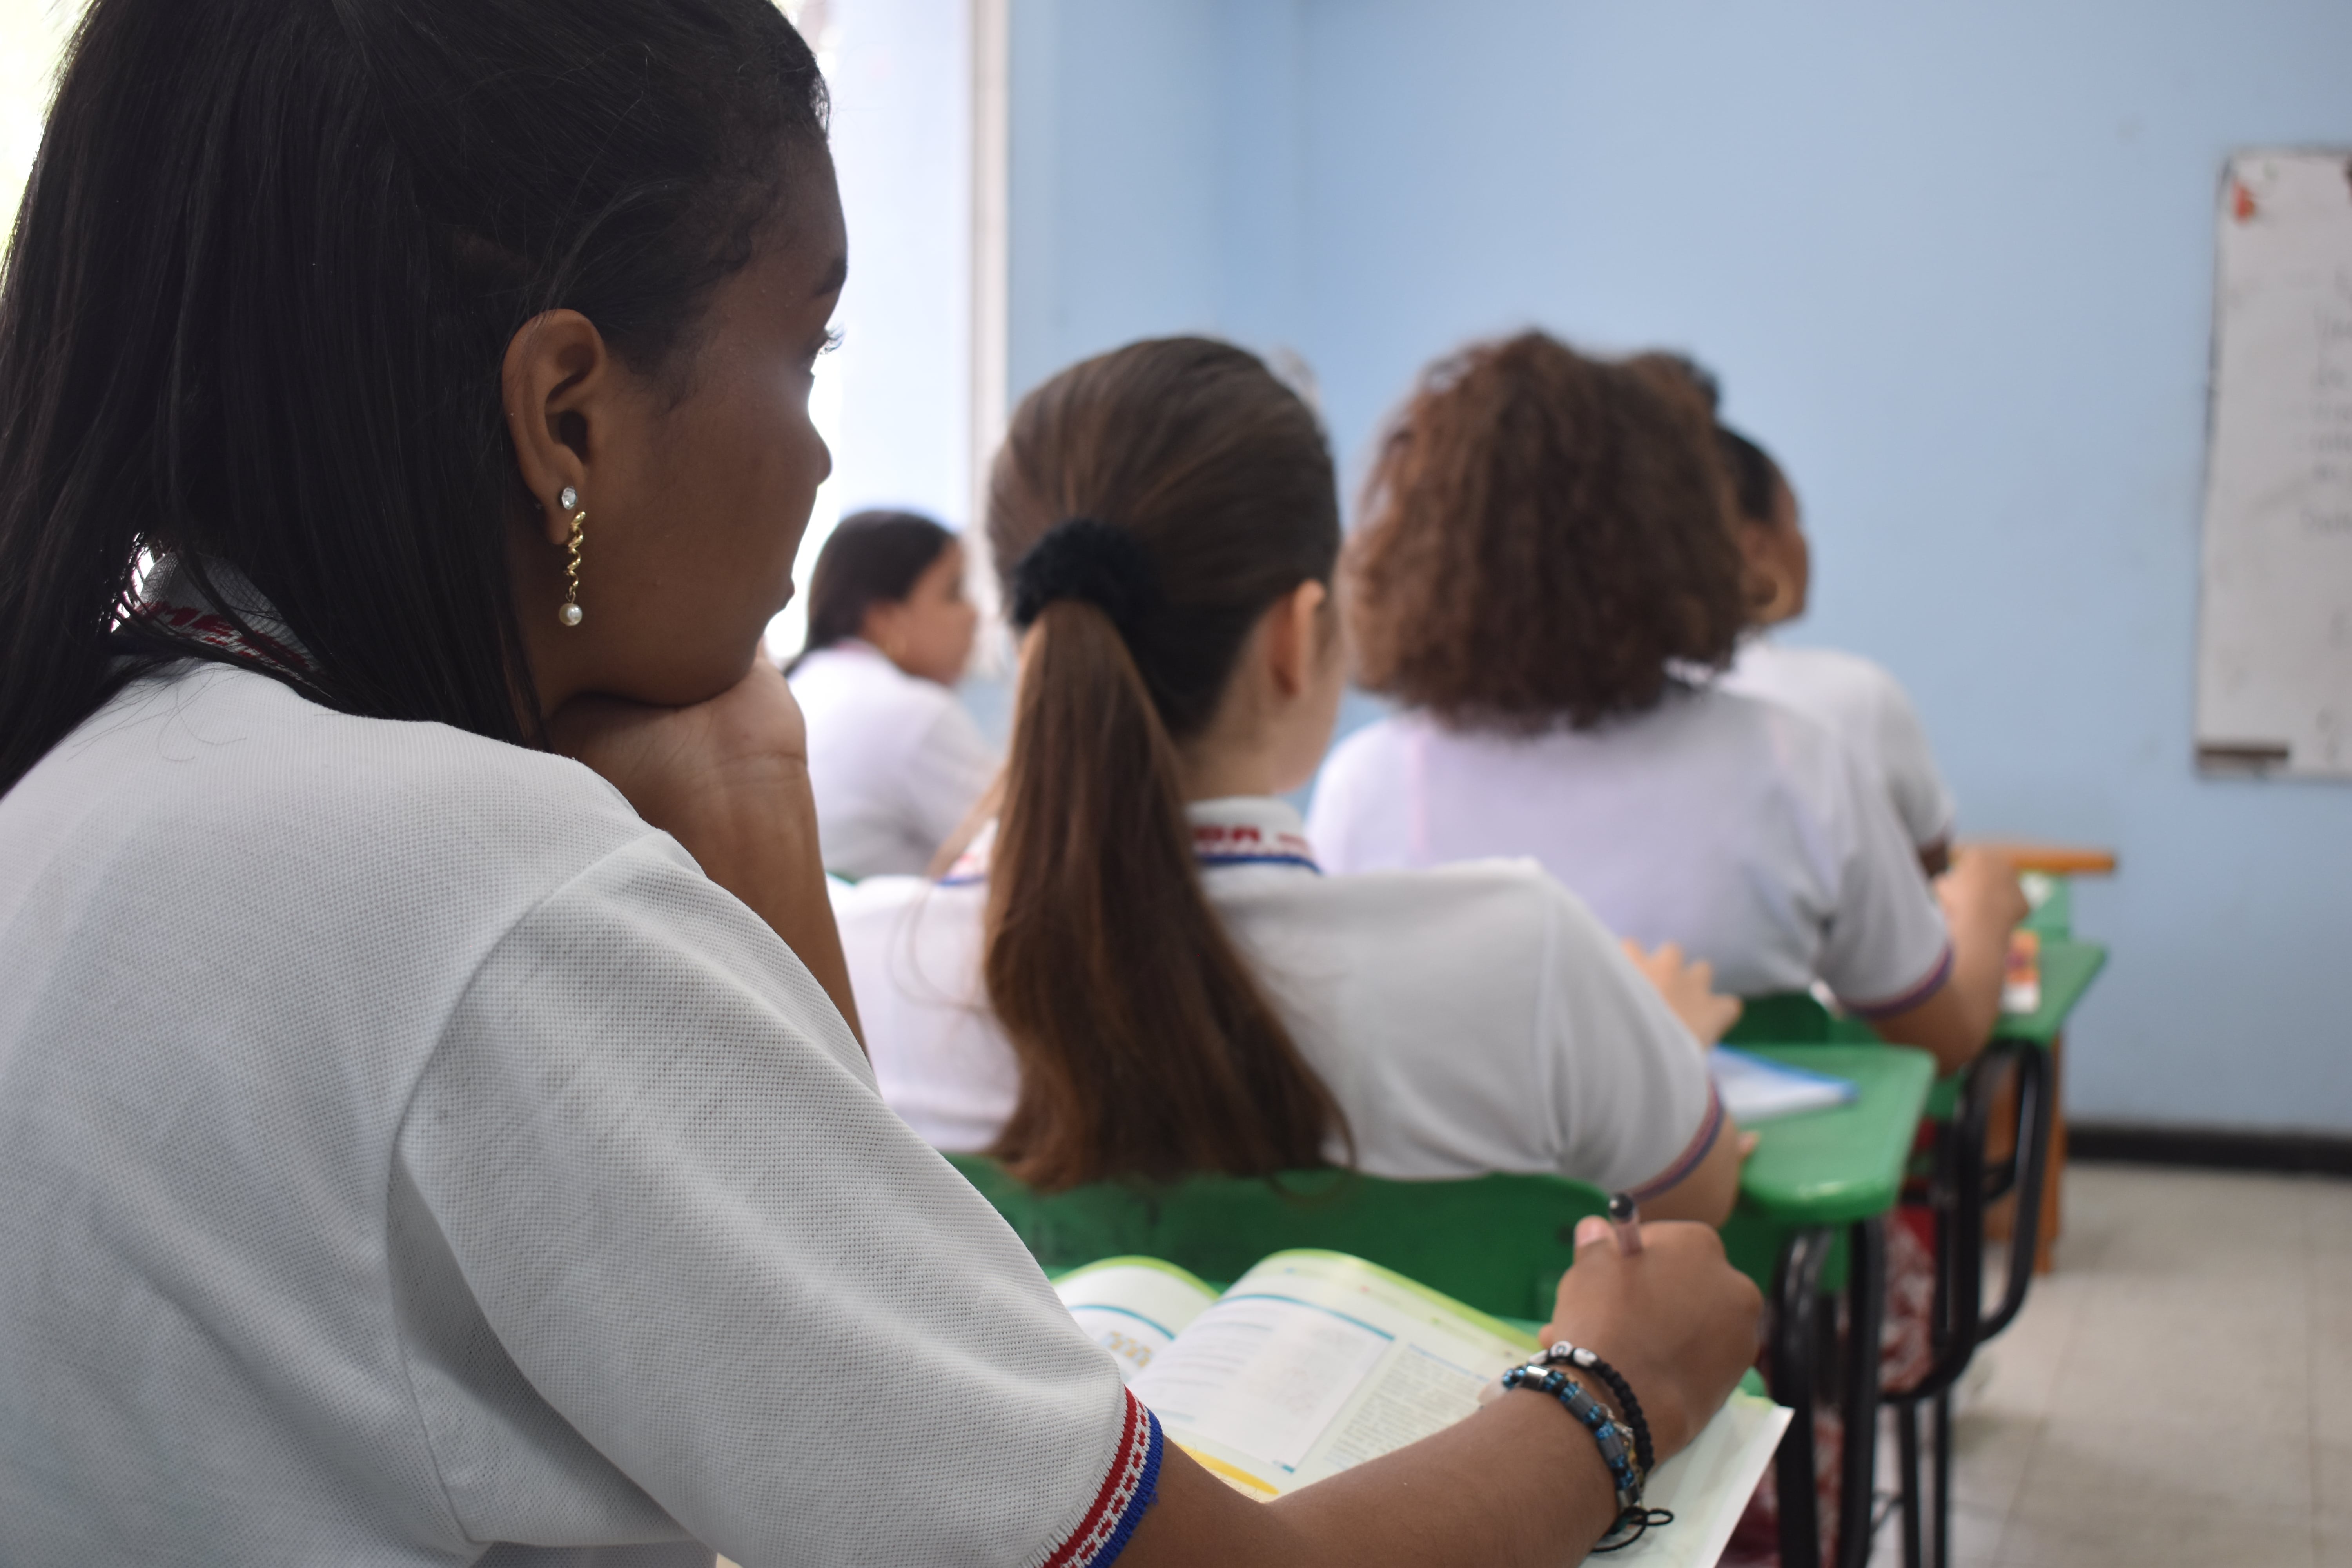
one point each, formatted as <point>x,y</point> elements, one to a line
<point>1133,1307</point>
<point>1707,1485</point>
<point>1314,1361</point>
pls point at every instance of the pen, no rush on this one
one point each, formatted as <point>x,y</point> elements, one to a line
<point>1626,1221</point>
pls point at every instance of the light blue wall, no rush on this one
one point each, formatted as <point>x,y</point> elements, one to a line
<point>1954,265</point>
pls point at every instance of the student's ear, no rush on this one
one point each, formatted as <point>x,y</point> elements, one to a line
<point>556,383</point>
<point>1294,637</point>
<point>1770,600</point>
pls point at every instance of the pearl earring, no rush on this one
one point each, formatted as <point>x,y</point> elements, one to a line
<point>570,613</point>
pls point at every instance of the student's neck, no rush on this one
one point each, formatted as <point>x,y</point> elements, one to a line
<point>1219,772</point>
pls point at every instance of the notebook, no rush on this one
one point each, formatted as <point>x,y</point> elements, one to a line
<point>1315,1360</point>
<point>1754,1089</point>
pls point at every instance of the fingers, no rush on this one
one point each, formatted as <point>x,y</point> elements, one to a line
<point>1590,1231</point>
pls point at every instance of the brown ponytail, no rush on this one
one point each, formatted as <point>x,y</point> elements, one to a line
<point>1147,1047</point>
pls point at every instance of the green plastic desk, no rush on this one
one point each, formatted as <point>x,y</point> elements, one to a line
<point>1846,1164</point>
<point>2068,968</point>
<point>1827,1169</point>
<point>1812,1198</point>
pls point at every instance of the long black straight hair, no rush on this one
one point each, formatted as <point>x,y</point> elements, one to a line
<point>261,283</point>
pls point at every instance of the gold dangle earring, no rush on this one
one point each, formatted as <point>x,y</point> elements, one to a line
<point>571,614</point>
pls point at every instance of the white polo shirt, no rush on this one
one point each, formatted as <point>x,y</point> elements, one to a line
<point>895,762</point>
<point>1738,827</point>
<point>1471,1019</point>
<point>404,1149</point>
<point>1865,707</point>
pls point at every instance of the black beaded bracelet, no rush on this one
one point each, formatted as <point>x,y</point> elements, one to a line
<point>1629,1408</point>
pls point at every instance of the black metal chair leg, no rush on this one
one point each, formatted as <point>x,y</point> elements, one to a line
<point>1943,1440</point>
<point>1906,1433</point>
<point>1858,1464</point>
<point>1796,1296</point>
<point>2028,1173</point>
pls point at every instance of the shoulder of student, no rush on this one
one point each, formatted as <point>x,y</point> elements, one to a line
<point>1488,927</point>
<point>862,677</point>
<point>1801,746</point>
<point>206,764</point>
<point>341,862</point>
<point>1825,677</point>
<point>1869,709</point>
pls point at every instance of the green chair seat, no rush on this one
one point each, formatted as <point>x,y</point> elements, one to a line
<point>1498,1243</point>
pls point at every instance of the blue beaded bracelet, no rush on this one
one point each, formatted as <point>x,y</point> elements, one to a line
<point>1616,1443</point>
<point>1616,1446</point>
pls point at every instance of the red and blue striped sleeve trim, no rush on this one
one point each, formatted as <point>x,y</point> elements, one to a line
<point>1126,1492</point>
<point>1710,1127</point>
<point>1904,1002</point>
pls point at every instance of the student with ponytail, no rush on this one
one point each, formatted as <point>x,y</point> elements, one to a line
<point>1138,969</point>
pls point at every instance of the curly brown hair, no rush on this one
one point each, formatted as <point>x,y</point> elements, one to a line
<point>1544,536</point>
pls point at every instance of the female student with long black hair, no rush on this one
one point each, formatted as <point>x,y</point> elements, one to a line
<point>895,761</point>
<point>1140,969</point>
<point>414,1147</point>
<point>1547,577</point>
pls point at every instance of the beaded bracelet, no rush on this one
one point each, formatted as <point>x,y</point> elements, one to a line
<point>1628,1407</point>
<point>1616,1452</point>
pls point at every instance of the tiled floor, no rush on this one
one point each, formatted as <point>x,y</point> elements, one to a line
<point>2179,1392</point>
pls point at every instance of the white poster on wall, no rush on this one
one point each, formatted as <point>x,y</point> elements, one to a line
<point>2274,645</point>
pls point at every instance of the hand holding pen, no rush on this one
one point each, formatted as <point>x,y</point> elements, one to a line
<point>1625,1223</point>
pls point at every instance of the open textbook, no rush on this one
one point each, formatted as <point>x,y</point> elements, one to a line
<point>1315,1360</point>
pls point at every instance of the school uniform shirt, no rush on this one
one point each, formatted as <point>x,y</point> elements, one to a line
<point>1738,827</point>
<point>895,762</point>
<point>404,1149</point>
<point>1865,707</point>
<point>1466,1020</point>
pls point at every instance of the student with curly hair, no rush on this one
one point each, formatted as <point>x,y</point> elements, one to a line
<point>1140,969</point>
<point>1547,580</point>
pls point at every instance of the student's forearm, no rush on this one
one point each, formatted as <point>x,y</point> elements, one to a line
<point>1956,1019</point>
<point>1707,1194</point>
<point>1519,1483</point>
<point>761,845</point>
<point>1979,966</point>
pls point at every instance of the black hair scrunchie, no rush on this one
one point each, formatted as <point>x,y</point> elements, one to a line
<point>1087,560</point>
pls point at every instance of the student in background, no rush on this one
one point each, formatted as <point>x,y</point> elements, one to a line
<point>1547,577</point>
<point>895,760</point>
<point>1858,701</point>
<point>1140,969</point>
